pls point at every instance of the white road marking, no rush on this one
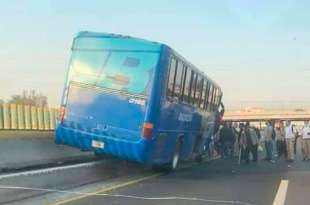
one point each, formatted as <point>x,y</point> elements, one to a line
<point>281,193</point>
<point>129,196</point>
<point>49,170</point>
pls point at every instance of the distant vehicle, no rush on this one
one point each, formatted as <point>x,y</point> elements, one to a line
<point>135,99</point>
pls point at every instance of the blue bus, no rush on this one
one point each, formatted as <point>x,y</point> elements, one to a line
<point>135,99</point>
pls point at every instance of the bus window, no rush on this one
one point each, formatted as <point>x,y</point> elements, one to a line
<point>171,80</point>
<point>198,90</point>
<point>220,98</point>
<point>128,72</point>
<point>85,66</point>
<point>217,98</point>
<point>183,84</point>
<point>203,95</point>
<point>207,96</point>
<point>193,88</point>
<point>210,97</point>
<point>213,99</point>
<point>179,80</point>
<point>187,82</point>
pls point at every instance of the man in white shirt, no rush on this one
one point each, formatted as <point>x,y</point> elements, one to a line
<point>289,138</point>
<point>306,140</point>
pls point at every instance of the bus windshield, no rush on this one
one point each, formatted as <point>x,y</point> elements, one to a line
<point>126,71</point>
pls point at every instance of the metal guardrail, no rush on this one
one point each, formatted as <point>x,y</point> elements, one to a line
<point>26,117</point>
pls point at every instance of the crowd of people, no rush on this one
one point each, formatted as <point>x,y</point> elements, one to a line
<point>243,141</point>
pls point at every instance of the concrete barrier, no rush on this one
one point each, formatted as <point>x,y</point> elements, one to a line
<point>1,118</point>
<point>21,149</point>
<point>26,117</point>
<point>25,142</point>
<point>6,116</point>
<point>46,119</point>
<point>40,118</point>
<point>52,119</point>
<point>14,122</point>
<point>34,118</point>
<point>20,117</point>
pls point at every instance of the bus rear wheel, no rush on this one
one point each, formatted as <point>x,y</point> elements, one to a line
<point>176,156</point>
<point>174,161</point>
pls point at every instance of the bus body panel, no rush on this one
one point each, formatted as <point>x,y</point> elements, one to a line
<point>176,120</point>
<point>106,112</point>
<point>116,118</point>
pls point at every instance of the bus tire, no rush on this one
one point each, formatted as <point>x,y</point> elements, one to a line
<point>171,166</point>
<point>176,156</point>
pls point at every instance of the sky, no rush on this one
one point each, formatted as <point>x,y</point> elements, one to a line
<point>258,51</point>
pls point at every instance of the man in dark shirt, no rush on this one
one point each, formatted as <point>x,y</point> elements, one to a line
<point>227,140</point>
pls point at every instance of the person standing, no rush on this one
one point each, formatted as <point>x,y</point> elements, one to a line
<point>306,141</point>
<point>253,142</point>
<point>274,144</point>
<point>249,143</point>
<point>243,151</point>
<point>231,140</point>
<point>280,140</point>
<point>236,131</point>
<point>289,138</point>
<point>268,135</point>
<point>226,135</point>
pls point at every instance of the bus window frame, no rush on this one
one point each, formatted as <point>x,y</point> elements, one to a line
<point>213,99</point>
<point>208,95</point>
<point>189,75</point>
<point>170,98</point>
<point>211,88</point>
<point>195,76</point>
<point>198,89</point>
<point>205,104</point>
<point>185,68</point>
<point>180,94</point>
<point>203,94</point>
<point>190,86</point>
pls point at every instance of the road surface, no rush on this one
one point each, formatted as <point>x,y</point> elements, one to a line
<point>118,182</point>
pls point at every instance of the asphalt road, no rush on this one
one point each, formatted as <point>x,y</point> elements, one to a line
<point>214,182</point>
<point>33,186</point>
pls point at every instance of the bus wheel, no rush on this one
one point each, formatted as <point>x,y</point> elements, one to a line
<point>173,164</point>
<point>176,156</point>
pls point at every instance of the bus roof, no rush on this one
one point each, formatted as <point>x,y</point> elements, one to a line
<point>111,35</point>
